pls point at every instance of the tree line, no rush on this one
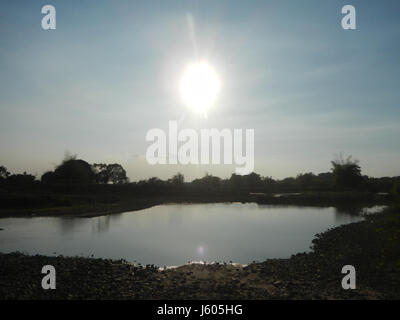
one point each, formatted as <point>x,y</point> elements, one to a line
<point>345,174</point>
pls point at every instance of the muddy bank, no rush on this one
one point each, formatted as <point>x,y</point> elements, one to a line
<point>372,246</point>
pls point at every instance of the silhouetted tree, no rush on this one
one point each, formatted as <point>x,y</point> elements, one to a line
<point>114,173</point>
<point>253,181</point>
<point>287,184</point>
<point>268,183</point>
<point>396,187</point>
<point>208,181</point>
<point>306,180</point>
<point>4,174</point>
<point>100,172</point>
<point>48,177</point>
<point>235,181</point>
<point>178,180</point>
<point>117,173</point>
<point>154,181</point>
<point>347,172</point>
<point>249,182</point>
<point>74,171</point>
<point>21,179</point>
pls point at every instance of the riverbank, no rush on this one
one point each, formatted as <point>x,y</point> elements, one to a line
<point>372,246</point>
<point>98,206</point>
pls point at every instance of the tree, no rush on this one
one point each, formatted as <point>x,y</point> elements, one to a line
<point>347,172</point>
<point>155,182</point>
<point>396,187</point>
<point>208,181</point>
<point>114,173</point>
<point>4,174</point>
<point>178,179</point>
<point>236,181</point>
<point>117,173</point>
<point>100,172</point>
<point>48,177</point>
<point>250,181</point>
<point>268,183</point>
<point>253,180</point>
<point>306,180</point>
<point>21,179</point>
<point>74,171</point>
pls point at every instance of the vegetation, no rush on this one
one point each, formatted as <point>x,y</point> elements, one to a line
<point>347,173</point>
<point>372,245</point>
<point>77,186</point>
<point>3,173</point>
<point>109,173</point>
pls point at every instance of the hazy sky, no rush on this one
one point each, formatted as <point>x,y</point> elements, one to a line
<point>111,69</point>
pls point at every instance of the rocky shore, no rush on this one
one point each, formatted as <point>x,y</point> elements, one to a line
<point>371,246</point>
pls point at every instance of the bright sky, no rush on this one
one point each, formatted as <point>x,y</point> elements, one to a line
<point>110,72</point>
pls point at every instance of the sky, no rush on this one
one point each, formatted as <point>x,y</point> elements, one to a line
<point>110,72</point>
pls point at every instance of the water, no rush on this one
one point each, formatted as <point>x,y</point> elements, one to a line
<point>177,233</point>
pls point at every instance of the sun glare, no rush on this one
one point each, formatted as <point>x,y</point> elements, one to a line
<point>199,87</point>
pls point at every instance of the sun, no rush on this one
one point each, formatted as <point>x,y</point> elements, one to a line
<point>199,87</point>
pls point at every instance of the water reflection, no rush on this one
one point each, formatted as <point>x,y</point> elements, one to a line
<point>175,216</point>
<point>101,224</point>
<point>68,225</point>
<point>344,214</point>
<point>176,234</point>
